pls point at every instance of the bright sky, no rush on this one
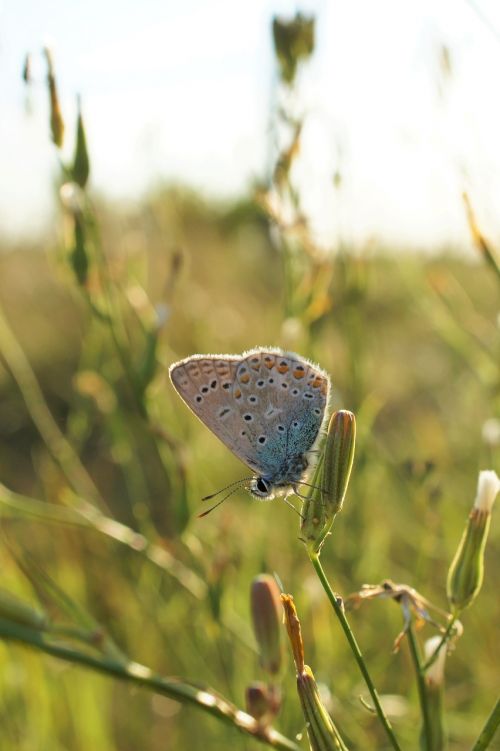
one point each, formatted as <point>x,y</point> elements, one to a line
<point>182,91</point>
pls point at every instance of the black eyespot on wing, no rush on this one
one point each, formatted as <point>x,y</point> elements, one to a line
<point>248,417</point>
<point>284,385</point>
<point>295,392</point>
<point>213,385</point>
<point>308,395</point>
<point>317,411</point>
<point>226,385</point>
<point>295,424</point>
<point>224,411</point>
<point>260,383</point>
<point>204,389</point>
<point>199,398</point>
<point>281,428</point>
<point>262,439</point>
<point>252,399</point>
<point>271,380</point>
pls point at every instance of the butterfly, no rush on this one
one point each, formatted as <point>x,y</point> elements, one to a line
<point>266,405</point>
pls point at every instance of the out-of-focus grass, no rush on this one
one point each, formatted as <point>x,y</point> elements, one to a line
<point>412,348</point>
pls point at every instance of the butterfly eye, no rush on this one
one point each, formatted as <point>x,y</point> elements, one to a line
<point>262,486</point>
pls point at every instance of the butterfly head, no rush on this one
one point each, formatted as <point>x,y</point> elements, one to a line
<point>262,488</point>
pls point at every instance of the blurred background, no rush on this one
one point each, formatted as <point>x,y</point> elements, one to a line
<point>210,178</point>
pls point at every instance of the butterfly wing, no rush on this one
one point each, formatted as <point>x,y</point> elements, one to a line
<point>286,397</point>
<point>206,383</point>
<point>265,406</point>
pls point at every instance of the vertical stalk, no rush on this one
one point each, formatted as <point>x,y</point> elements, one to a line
<point>422,690</point>
<point>355,650</point>
<point>489,730</point>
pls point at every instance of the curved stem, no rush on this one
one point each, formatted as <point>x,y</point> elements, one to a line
<point>489,730</point>
<point>339,612</point>
<point>201,696</point>
<point>422,691</point>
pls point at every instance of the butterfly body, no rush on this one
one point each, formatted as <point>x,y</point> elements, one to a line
<point>267,406</point>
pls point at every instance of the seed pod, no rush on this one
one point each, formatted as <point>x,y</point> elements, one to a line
<point>465,575</point>
<point>266,617</point>
<point>330,480</point>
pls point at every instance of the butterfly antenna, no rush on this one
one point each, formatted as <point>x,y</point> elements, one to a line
<point>208,511</point>
<point>231,484</point>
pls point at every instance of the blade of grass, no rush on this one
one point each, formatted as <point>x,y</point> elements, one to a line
<point>203,697</point>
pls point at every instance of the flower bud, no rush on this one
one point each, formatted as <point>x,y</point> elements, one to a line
<point>465,575</point>
<point>257,700</point>
<point>432,736</point>
<point>81,164</point>
<point>321,731</point>
<point>266,617</point>
<point>56,118</point>
<point>13,609</point>
<point>293,42</point>
<point>330,480</point>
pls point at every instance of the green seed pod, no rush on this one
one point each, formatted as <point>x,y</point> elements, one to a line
<point>13,609</point>
<point>56,118</point>
<point>330,480</point>
<point>465,575</point>
<point>266,617</point>
<point>81,163</point>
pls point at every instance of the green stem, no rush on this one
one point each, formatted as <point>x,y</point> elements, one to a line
<point>444,638</point>
<point>489,730</point>
<point>422,690</point>
<point>202,697</point>
<point>339,612</point>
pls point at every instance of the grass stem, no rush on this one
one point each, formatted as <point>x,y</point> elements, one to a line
<point>339,612</point>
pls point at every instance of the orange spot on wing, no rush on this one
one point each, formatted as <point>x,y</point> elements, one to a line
<point>283,368</point>
<point>237,394</point>
<point>317,382</point>
<point>299,373</point>
<point>269,362</point>
<point>244,378</point>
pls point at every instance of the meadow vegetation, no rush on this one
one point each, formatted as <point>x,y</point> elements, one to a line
<point>102,469</point>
